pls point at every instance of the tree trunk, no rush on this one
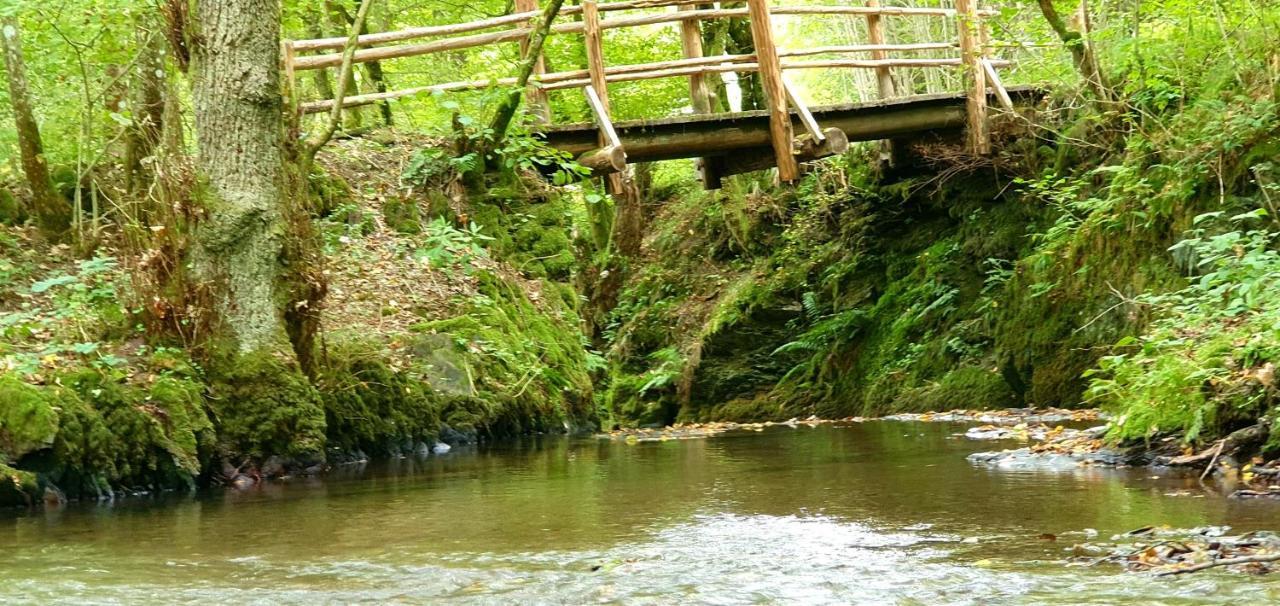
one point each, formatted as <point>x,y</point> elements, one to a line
<point>147,100</point>
<point>239,128</point>
<point>353,119</point>
<point>51,211</point>
<point>506,109</point>
<point>740,42</point>
<point>1081,50</point>
<point>373,70</point>
<point>314,18</point>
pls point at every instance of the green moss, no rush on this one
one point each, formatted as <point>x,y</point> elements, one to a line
<point>18,487</point>
<point>262,407</point>
<point>402,215</point>
<point>97,432</point>
<point>28,418</point>
<point>525,364</point>
<point>11,212</point>
<point>329,192</point>
<point>371,406</point>
<point>155,434</point>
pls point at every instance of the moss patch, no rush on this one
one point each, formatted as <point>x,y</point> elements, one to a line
<point>263,407</point>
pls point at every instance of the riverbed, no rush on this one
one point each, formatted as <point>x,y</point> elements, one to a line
<point>882,512</point>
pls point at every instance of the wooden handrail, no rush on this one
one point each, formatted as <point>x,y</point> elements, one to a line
<point>770,62</point>
<point>317,61</point>
<point>641,71</point>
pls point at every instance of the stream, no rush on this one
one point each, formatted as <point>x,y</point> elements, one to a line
<point>883,512</point>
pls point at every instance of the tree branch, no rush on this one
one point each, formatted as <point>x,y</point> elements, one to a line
<point>507,109</point>
<point>319,138</point>
<point>1275,557</point>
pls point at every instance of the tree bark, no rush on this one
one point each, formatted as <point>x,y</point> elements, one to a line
<point>239,133</point>
<point>147,100</point>
<point>740,42</point>
<point>341,20</point>
<point>1081,52</point>
<point>52,212</point>
<point>506,111</point>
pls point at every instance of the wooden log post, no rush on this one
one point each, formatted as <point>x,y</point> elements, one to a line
<point>293,115</point>
<point>890,150</point>
<point>691,42</point>
<point>968,22</point>
<point>539,105</point>
<point>595,68</point>
<point>875,35</point>
<point>774,90</point>
<point>700,99</point>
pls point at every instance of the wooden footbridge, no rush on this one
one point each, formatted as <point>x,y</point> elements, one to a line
<point>784,135</point>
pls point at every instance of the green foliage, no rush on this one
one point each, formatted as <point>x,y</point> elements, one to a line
<point>525,364</point>
<point>1206,365</point>
<point>66,316</point>
<point>446,246</point>
<point>372,405</point>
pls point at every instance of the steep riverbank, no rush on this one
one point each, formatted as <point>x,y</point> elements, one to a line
<point>434,330</point>
<point>1136,274</point>
<point>1139,274</point>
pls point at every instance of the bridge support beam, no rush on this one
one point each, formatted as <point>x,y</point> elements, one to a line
<point>775,93</point>
<point>805,148</point>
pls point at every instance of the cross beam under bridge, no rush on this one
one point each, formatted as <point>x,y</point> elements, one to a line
<point>739,142</point>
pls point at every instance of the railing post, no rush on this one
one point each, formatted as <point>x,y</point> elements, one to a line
<point>875,35</point>
<point>595,67</point>
<point>538,102</point>
<point>774,90</point>
<point>691,41</point>
<point>968,22</point>
<point>889,149</point>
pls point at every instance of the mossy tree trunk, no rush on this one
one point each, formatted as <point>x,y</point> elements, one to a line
<point>254,254</point>
<point>239,132</point>
<point>147,101</point>
<point>353,118</point>
<point>1081,51</point>
<point>51,211</point>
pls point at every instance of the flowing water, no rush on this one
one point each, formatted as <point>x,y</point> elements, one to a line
<point>875,513</point>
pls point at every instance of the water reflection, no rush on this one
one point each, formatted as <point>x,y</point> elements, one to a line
<point>869,513</point>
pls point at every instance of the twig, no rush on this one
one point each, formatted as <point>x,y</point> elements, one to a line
<point>1275,557</point>
<point>1213,460</point>
<point>319,138</point>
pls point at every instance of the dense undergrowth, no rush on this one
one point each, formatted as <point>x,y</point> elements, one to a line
<point>1122,254</point>
<point>438,328</point>
<point>1118,252</point>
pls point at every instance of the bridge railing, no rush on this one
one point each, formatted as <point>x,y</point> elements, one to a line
<point>972,46</point>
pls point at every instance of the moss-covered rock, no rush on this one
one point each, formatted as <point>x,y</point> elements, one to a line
<point>28,418</point>
<point>525,363</point>
<point>11,212</point>
<point>369,405</point>
<point>18,487</point>
<point>402,215</point>
<point>263,406</point>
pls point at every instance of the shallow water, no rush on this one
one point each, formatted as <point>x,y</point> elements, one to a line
<point>873,513</point>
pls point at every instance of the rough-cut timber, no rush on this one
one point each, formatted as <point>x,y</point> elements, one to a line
<point>774,89</point>
<point>237,103</point>
<point>971,55</point>
<point>719,134</point>
<point>806,148</point>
